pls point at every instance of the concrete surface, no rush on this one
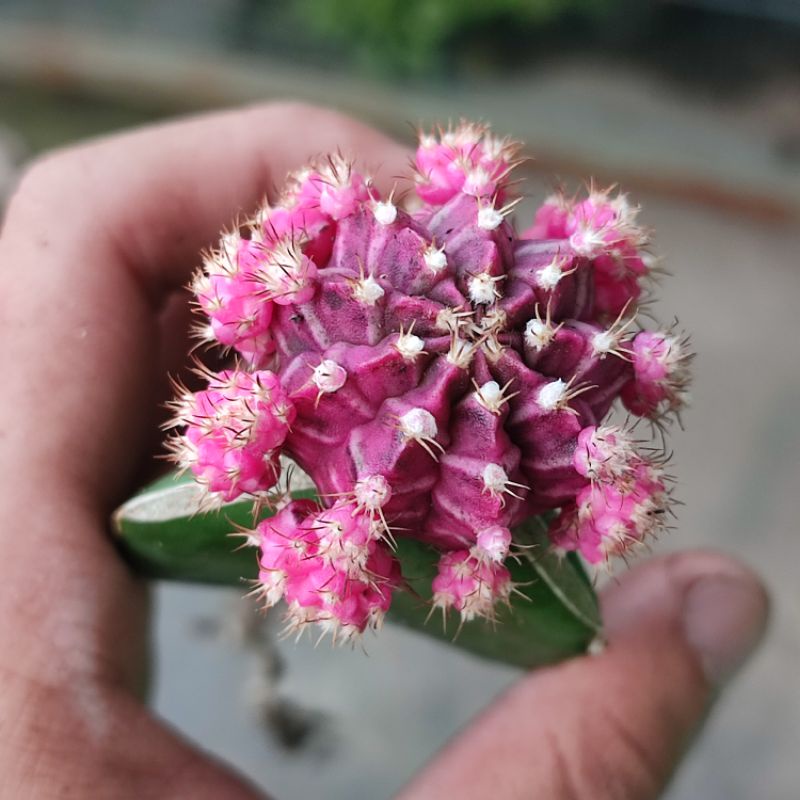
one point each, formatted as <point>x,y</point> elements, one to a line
<point>576,114</point>
<point>735,286</point>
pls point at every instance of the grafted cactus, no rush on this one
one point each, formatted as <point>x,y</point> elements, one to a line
<point>436,374</point>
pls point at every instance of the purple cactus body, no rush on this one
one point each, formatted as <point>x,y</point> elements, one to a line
<point>437,376</point>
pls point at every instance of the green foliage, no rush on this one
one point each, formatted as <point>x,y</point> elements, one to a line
<point>415,35</point>
<point>553,615</point>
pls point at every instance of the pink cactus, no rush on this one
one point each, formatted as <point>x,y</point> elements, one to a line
<point>329,565</point>
<point>437,376</point>
<point>234,432</point>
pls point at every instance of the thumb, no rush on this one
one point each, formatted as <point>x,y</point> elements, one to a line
<point>614,725</point>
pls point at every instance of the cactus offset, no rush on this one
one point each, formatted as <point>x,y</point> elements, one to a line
<point>437,375</point>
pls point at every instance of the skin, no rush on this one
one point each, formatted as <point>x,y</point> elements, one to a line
<point>97,244</point>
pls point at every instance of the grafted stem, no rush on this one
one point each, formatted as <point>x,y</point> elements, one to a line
<point>552,613</point>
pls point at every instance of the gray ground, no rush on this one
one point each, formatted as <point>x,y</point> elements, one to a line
<point>736,286</point>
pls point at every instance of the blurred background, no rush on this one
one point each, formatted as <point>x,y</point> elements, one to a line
<point>694,107</point>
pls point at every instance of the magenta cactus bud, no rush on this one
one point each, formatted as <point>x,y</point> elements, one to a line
<point>661,375</point>
<point>284,548</point>
<point>604,230</point>
<point>287,274</point>
<point>435,374</point>
<point>465,159</point>
<point>609,518</point>
<point>333,189</point>
<point>604,453</point>
<point>229,294</point>
<point>234,430</point>
<point>469,584</point>
<point>330,565</point>
<point>493,543</point>
<point>372,493</point>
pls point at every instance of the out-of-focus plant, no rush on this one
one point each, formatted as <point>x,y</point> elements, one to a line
<point>413,35</point>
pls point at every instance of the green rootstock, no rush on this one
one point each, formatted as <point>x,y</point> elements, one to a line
<point>553,614</point>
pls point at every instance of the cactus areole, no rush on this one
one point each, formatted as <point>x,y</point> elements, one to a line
<point>437,374</point>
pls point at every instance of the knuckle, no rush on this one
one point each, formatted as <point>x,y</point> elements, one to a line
<point>639,769</point>
<point>295,115</point>
<point>568,781</point>
<point>41,181</point>
<point>602,760</point>
<point>38,175</point>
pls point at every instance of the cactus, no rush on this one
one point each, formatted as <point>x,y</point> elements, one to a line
<point>437,375</point>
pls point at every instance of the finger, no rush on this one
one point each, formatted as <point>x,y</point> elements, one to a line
<point>155,196</point>
<point>614,725</point>
<point>102,234</point>
<point>94,241</point>
<point>103,744</point>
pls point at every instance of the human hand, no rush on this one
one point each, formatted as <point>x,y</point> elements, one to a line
<point>96,246</point>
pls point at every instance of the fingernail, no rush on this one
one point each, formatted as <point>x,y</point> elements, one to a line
<point>725,616</point>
